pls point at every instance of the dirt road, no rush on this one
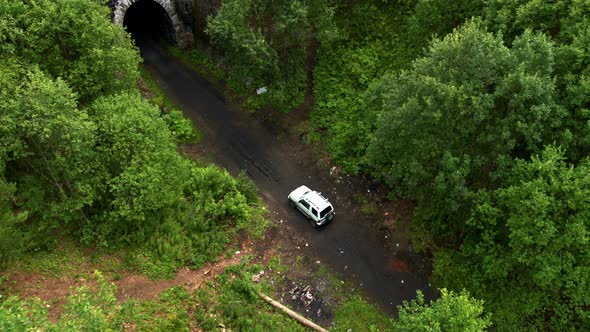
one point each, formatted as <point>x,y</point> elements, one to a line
<point>278,164</point>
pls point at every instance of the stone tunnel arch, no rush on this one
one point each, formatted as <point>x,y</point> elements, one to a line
<point>182,34</point>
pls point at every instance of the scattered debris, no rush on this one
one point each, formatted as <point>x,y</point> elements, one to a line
<point>256,277</point>
<point>334,170</point>
<point>302,294</point>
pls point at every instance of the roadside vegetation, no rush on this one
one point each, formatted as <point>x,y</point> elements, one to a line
<point>86,160</point>
<point>181,127</point>
<point>477,112</point>
<point>91,180</point>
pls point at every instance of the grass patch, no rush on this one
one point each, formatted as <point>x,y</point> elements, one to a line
<point>356,314</point>
<point>232,301</point>
<point>68,260</point>
<point>229,301</point>
<point>96,309</point>
<point>64,261</point>
<point>277,265</point>
<point>154,93</point>
<point>351,311</point>
<point>169,313</point>
<point>139,261</point>
<point>200,62</point>
<point>367,206</point>
<point>337,288</point>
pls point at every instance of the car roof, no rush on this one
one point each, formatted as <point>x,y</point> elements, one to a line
<point>318,200</point>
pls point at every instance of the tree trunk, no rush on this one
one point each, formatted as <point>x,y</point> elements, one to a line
<point>304,321</point>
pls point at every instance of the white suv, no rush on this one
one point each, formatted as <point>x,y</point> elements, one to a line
<point>313,205</point>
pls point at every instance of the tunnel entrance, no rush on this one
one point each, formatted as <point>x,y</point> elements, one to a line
<point>148,19</point>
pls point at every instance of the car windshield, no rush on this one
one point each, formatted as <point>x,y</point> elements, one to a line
<point>325,211</point>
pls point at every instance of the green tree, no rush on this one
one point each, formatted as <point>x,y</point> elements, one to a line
<point>145,173</point>
<point>71,39</point>
<point>567,23</point>
<point>83,155</point>
<point>439,17</point>
<point>372,39</point>
<point>52,157</point>
<point>14,239</point>
<point>266,43</point>
<point>249,54</point>
<point>453,124</point>
<point>513,17</point>
<point>450,312</point>
<point>526,250</point>
<point>573,78</point>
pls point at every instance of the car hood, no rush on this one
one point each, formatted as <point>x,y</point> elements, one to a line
<point>299,192</point>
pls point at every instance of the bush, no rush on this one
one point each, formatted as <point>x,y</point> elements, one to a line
<point>181,127</point>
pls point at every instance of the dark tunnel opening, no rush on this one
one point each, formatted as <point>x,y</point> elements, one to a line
<point>147,19</point>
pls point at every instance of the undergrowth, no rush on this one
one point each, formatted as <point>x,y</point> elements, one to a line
<point>283,95</point>
<point>181,127</point>
<point>229,300</point>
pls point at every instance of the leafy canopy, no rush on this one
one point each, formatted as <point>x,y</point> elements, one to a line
<point>526,249</point>
<point>82,154</point>
<point>450,312</point>
<point>71,39</point>
<point>453,123</point>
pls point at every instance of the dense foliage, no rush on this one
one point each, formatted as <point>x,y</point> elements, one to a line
<point>82,154</point>
<point>526,246</point>
<point>479,112</point>
<point>452,124</point>
<point>450,312</point>
<point>455,128</point>
<point>265,43</point>
<point>231,302</point>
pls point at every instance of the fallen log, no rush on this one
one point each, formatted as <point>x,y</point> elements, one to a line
<point>304,321</point>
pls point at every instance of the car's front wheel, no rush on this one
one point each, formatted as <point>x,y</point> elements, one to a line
<point>291,203</point>
<point>313,223</point>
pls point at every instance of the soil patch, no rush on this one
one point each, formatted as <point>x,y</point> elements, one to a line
<point>54,291</point>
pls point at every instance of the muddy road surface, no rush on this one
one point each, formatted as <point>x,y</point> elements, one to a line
<point>279,163</point>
